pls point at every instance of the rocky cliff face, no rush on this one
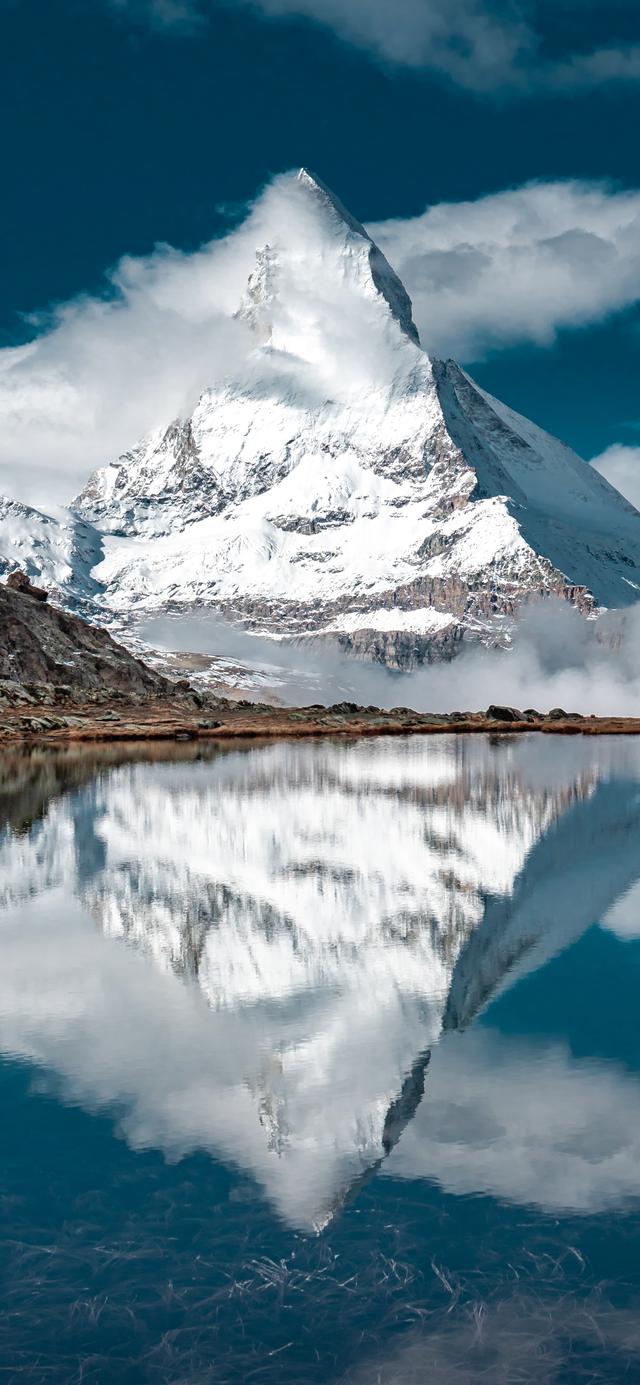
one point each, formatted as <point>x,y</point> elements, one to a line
<point>349,488</point>
<point>42,644</point>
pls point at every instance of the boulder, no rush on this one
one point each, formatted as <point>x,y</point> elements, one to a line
<point>496,713</point>
<point>19,582</point>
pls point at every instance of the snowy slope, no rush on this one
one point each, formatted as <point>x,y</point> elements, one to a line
<point>348,486</point>
<point>563,510</point>
<point>57,550</point>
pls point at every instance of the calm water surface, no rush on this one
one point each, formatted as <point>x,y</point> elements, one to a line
<point>321,1063</point>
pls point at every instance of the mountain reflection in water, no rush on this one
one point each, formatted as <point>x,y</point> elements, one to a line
<point>290,943</point>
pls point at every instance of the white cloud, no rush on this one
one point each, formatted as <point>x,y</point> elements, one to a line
<point>102,371</point>
<point>621,466</point>
<point>516,266</point>
<point>483,45</point>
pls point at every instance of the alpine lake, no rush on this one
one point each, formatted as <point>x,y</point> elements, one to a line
<point>320,1062</point>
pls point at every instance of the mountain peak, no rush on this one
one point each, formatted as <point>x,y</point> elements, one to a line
<point>386,281</point>
<point>315,186</point>
<point>316,247</point>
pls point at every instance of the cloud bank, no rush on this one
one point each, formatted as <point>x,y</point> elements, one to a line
<point>517,266</point>
<point>556,659</point>
<point>483,45</point>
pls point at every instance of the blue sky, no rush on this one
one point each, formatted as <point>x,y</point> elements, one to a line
<point>134,122</point>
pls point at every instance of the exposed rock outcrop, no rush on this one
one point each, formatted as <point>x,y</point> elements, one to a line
<point>41,644</point>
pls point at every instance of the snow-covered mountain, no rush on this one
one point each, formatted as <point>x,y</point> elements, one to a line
<point>284,979</point>
<point>338,484</point>
<point>58,550</point>
<point>344,485</point>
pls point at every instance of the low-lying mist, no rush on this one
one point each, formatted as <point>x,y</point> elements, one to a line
<point>555,658</point>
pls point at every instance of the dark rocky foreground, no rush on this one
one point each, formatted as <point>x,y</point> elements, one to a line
<point>41,644</point>
<point>63,680</point>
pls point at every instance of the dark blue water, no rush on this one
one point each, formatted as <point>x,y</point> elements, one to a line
<point>321,1063</point>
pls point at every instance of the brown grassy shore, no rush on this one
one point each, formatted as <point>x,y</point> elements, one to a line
<point>35,714</point>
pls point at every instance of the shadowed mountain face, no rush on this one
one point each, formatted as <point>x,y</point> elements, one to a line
<point>272,954</point>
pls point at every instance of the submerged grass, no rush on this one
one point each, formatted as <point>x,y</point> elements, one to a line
<point>180,1285</point>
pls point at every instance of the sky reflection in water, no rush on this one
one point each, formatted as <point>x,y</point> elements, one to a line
<point>320,1061</point>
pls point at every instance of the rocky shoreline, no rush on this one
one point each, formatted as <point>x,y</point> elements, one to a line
<point>39,713</point>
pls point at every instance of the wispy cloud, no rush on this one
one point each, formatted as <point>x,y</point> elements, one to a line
<point>175,16</point>
<point>583,71</point>
<point>475,44</point>
<point>483,45</point>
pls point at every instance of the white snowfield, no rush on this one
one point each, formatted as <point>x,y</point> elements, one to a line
<point>343,484</point>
